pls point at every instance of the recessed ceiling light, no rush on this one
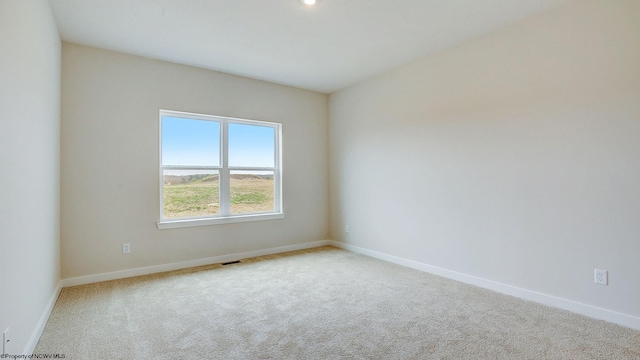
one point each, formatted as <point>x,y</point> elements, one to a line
<point>309,2</point>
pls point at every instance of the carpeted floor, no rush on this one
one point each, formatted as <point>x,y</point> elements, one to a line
<point>323,303</point>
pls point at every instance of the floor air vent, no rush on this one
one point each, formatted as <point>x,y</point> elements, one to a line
<point>231,263</point>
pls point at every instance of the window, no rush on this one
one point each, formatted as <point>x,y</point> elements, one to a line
<point>218,170</point>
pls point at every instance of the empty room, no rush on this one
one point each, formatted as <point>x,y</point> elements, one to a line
<point>320,179</point>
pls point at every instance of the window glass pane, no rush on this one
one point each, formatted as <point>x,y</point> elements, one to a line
<point>190,142</point>
<point>252,191</point>
<point>251,145</point>
<point>189,193</point>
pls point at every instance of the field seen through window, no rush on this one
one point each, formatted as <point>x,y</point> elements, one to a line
<point>198,195</point>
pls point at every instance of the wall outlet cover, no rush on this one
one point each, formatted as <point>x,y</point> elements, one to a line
<point>5,341</point>
<point>601,277</point>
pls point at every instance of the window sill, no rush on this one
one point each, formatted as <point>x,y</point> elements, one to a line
<point>173,224</point>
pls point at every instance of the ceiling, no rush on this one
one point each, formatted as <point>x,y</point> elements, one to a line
<point>323,48</point>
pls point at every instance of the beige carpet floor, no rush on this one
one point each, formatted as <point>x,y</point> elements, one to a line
<point>323,303</point>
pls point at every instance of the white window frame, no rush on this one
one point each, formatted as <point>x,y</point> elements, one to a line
<point>224,171</point>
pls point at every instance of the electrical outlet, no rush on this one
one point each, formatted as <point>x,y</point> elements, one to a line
<point>5,341</point>
<point>126,248</point>
<point>601,277</point>
<point>346,228</point>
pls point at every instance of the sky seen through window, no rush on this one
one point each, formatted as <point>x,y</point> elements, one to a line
<point>192,142</point>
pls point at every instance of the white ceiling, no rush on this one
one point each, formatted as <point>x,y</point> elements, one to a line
<point>324,48</point>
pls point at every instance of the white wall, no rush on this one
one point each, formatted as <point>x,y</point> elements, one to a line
<point>29,167</point>
<point>110,191</point>
<point>513,158</point>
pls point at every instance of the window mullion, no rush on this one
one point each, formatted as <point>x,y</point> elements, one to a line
<point>249,168</point>
<point>225,178</point>
<point>194,168</point>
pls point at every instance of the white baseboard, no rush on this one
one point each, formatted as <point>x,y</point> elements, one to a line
<point>569,305</point>
<point>37,332</point>
<point>89,279</point>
